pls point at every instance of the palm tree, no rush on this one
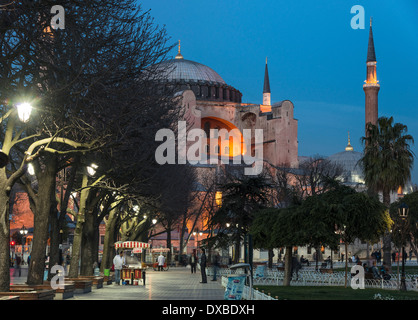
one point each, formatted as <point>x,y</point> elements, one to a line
<point>387,163</point>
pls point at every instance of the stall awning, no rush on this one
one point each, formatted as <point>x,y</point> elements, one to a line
<point>131,244</point>
<point>160,250</point>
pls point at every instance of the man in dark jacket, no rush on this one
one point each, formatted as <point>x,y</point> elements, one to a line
<point>203,266</point>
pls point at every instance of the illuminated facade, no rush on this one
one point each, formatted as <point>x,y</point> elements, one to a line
<point>210,103</point>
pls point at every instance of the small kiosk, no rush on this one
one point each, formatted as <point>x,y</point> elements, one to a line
<point>134,270</point>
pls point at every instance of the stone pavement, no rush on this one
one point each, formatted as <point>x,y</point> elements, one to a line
<point>174,284</point>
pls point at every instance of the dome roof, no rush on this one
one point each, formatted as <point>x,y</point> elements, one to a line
<point>189,71</point>
<point>349,161</point>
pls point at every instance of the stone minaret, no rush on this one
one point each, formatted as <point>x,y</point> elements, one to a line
<point>266,90</point>
<point>372,86</point>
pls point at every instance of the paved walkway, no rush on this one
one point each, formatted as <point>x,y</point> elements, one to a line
<point>174,284</point>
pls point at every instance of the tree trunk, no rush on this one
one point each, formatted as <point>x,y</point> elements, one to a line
<point>54,255</point>
<point>271,256</point>
<point>287,267</point>
<point>108,250</point>
<point>78,232</point>
<point>57,218</point>
<point>169,244</point>
<point>387,237</point>
<point>43,203</point>
<point>4,235</point>
<point>237,250</point>
<point>87,250</point>
<point>346,264</point>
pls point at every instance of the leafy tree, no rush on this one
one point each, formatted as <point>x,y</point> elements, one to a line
<point>363,217</point>
<point>241,198</point>
<point>387,163</point>
<point>410,235</point>
<point>321,220</point>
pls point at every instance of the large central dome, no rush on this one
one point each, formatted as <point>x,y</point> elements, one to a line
<point>189,71</point>
<point>206,84</point>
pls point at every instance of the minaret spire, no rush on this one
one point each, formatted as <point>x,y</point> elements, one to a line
<point>372,86</point>
<point>349,146</point>
<point>266,89</point>
<point>371,54</point>
<point>179,56</point>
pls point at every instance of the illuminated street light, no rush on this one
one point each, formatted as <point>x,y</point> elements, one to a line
<point>31,169</point>
<point>23,231</point>
<point>154,221</point>
<point>91,169</point>
<point>24,111</point>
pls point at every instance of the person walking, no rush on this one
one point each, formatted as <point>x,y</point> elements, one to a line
<point>118,262</point>
<point>18,263</point>
<point>216,263</point>
<point>161,261</point>
<point>67,262</point>
<point>203,266</point>
<point>193,261</point>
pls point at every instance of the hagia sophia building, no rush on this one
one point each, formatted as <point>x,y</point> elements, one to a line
<point>211,103</point>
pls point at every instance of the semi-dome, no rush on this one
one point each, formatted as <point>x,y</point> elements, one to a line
<point>189,71</point>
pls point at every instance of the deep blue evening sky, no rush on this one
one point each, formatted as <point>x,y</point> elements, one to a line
<point>316,59</point>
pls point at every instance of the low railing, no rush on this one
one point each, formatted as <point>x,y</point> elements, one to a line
<point>314,278</point>
<point>256,295</point>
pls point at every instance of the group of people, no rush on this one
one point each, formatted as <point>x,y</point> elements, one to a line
<point>396,256</point>
<point>194,260</point>
<point>378,273</point>
<point>119,262</point>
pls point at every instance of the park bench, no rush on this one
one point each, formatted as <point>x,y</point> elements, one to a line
<point>61,293</point>
<point>30,293</point>
<point>81,285</point>
<point>108,279</point>
<point>9,298</point>
<point>97,282</point>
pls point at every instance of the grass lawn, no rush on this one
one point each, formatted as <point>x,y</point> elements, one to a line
<point>334,293</point>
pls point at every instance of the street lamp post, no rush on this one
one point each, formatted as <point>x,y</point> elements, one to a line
<point>23,232</point>
<point>24,111</point>
<point>403,211</point>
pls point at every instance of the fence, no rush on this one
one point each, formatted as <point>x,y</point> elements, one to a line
<point>274,277</point>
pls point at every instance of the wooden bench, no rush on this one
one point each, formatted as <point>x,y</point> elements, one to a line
<point>61,293</point>
<point>9,298</point>
<point>96,281</point>
<point>81,285</point>
<point>108,279</point>
<point>30,293</point>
